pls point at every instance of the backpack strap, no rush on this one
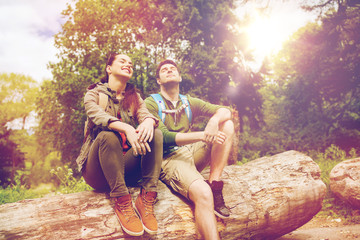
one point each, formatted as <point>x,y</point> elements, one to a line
<point>187,109</point>
<point>161,105</point>
<point>103,100</point>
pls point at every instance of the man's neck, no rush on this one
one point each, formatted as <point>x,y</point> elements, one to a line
<point>170,92</point>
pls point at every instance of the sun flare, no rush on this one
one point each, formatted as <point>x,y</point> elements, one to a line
<point>266,34</point>
<point>268,29</point>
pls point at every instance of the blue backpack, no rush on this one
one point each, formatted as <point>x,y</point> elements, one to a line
<point>161,105</point>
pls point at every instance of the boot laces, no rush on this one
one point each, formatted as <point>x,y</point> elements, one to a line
<point>148,205</point>
<point>127,210</point>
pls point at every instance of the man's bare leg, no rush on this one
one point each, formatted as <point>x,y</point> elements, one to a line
<point>218,160</point>
<point>220,152</point>
<point>201,195</point>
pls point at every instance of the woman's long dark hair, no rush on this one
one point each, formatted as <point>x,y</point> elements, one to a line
<point>131,100</point>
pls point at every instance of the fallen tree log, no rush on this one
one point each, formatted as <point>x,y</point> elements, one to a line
<point>345,181</point>
<point>268,197</point>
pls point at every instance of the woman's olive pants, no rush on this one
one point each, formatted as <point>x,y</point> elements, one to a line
<point>108,169</point>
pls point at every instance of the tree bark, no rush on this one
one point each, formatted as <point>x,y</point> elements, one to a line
<point>345,181</point>
<point>268,197</point>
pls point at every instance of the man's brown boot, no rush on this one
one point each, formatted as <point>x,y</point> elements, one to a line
<point>144,205</point>
<point>220,209</point>
<point>128,219</point>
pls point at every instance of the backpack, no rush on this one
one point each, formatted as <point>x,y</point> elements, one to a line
<point>103,99</point>
<point>161,105</point>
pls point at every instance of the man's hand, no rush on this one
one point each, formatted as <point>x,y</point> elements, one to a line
<point>220,138</point>
<point>212,133</point>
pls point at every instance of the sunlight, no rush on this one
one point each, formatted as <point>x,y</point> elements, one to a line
<point>269,28</point>
<point>266,35</point>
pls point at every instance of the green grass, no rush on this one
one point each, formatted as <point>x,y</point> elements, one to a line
<point>68,184</point>
<point>332,206</point>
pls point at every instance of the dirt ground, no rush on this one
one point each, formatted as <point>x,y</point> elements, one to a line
<point>323,228</point>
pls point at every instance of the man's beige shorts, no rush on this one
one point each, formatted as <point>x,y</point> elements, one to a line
<point>183,166</point>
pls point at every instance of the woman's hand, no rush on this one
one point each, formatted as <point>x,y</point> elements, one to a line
<point>139,137</point>
<point>132,137</point>
<point>146,131</point>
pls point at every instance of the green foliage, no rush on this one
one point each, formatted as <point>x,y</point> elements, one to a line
<point>39,172</point>
<point>17,94</point>
<point>18,190</point>
<point>197,34</point>
<point>333,206</point>
<point>68,183</point>
<point>17,101</point>
<point>11,158</point>
<point>14,193</point>
<point>312,98</point>
<point>336,208</point>
<point>329,159</point>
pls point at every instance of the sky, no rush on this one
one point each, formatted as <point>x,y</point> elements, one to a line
<point>27,29</point>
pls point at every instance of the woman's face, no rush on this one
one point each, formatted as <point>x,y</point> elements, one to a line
<point>121,66</point>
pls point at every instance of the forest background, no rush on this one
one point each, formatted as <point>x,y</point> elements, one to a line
<point>305,98</point>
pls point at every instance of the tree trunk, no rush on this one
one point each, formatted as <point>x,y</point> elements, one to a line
<point>268,197</point>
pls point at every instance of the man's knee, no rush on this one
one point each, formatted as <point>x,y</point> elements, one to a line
<point>200,193</point>
<point>228,128</point>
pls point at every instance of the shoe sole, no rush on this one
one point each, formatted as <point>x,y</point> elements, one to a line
<point>221,216</point>
<point>127,230</point>
<point>145,228</point>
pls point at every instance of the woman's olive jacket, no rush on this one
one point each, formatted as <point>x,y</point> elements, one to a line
<point>99,118</point>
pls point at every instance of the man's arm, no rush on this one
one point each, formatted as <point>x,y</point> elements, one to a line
<point>212,128</point>
<point>211,133</point>
<point>187,138</point>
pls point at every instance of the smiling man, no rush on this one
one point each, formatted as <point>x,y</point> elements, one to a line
<point>187,153</point>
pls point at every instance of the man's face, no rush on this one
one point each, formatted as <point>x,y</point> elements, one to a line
<point>168,73</point>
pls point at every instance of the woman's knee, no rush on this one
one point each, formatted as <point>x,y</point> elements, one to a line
<point>158,136</point>
<point>108,139</point>
<point>157,140</point>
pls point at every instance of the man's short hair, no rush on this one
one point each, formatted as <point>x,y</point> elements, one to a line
<point>167,61</point>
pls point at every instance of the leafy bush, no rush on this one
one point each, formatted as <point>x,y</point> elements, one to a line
<point>332,206</point>
<point>21,190</point>
<point>68,183</point>
<point>17,191</point>
<point>329,159</point>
